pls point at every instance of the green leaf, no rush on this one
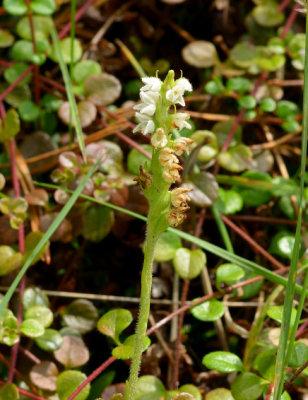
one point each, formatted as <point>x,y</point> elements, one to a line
<point>236,159</point>
<point>191,389</point>
<point>149,388</point>
<point>68,382</point>
<point>286,109</point>
<point>267,15</point>
<point>299,355</point>
<point>275,312</point>
<point>166,247</point>
<point>50,102</point>
<point>15,7</point>
<point>9,392</point>
<point>264,363</point>
<point>219,394</point>
<point>44,375</point>
<point>228,273</point>
<point>31,328</point>
<point>65,48</point>
<point>13,73</point>
<point>10,127</point>
<point>73,352</point>
<point>239,84</point>
<point>81,315</point>
<point>268,104</point>
<point>255,196</point>
<point>125,351</point>
<point>229,201</point>
<point>247,102</point>
<point>34,297</point>
<point>32,239</point>
<point>188,264</point>
<point>23,50</point>
<point>200,54</point>
<point>290,126</point>
<point>205,188</point>
<point>10,260</point>
<point>102,89</point>
<point>243,54</point>
<point>210,148</point>
<point>247,386</point>
<point>6,38</point>
<point>135,159</point>
<point>97,223</point>
<point>223,361</point>
<point>17,95</point>
<point>41,314</point>
<point>42,27</point>
<point>85,68</point>
<point>43,7</point>
<point>28,111</point>
<point>210,310</point>
<point>214,87</point>
<point>282,244</point>
<point>51,340</point>
<point>114,322</point>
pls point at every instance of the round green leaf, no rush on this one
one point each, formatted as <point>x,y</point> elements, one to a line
<point>299,355</point>
<point>80,315</point>
<point>149,388</point>
<point>228,273</point>
<point>191,389</point>
<point>135,159</point>
<point>6,38</point>
<point>51,340</point>
<point>28,111</point>
<point>267,15</point>
<point>114,322</point>
<point>210,148</point>
<point>264,363</point>
<point>276,312</point>
<point>243,54</point>
<point>34,297</point>
<point>229,201</point>
<point>166,246</point>
<point>9,129</point>
<point>247,102</point>
<point>15,7</point>
<point>223,361</point>
<point>32,240</point>
<point>97,223</point>
<point>42,27</point>
<point>22,50</point>
<point>219,394</point>
<point>210,310</point>
<point>102,89</point>
<point>188,264</point>
<point>68,382</point>
<point>248,386</point>
<point>239,85</point>
<point>290,126</point>
<point>255,196</point>
<point>41,314</point>
<point>236,159</point>
<point>214,87</point>
<point>43,7</point>
<point>65,48</point>
<point>13,73</point>
<point>85,68</point>
<point>9,260</point>
<point>16,96</point>
<point>125,351</point>
<point>282,244</point>
<point>31,328</point>
<point>268,104</point>
<point>286,108</point>
<point>9,392</point>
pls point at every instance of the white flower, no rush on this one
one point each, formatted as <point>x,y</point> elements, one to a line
<point>151,83</point>
<point>148,103</point>
<point>159,139</point>
<point>146,124</point>
<point>179,121</point>
<point>175,95</point>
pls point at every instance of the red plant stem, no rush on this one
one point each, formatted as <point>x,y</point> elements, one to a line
<point>284,5</point>
<point>78,15</point>
<point>90,378</point>
<point>301,329</point>
<point>25,393</point>
<point>252,242</point>
<point>30,355</point>
<point>167,319</point>
<point>15,84</point>
<point>269,391</point>
<point>290,21</point>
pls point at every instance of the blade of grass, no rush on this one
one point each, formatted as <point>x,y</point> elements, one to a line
<point>69,92</point>
<point>131,58</point>
<point>286,342</point>
<point>55,224</point>
<point>218,251</point>
<point>222,229</point>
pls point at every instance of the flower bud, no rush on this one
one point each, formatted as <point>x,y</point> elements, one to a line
<point>167,157</point>
<point>180,145</point>
<point>175,218</point>
<point>159,139</point>
<point>179,197</point>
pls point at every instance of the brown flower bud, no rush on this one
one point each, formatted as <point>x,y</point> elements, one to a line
<point>179,197</point>
<point>144,179</point>
<point>181,144</point>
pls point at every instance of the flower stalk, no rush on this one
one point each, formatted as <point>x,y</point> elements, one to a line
<point>156,115</point>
